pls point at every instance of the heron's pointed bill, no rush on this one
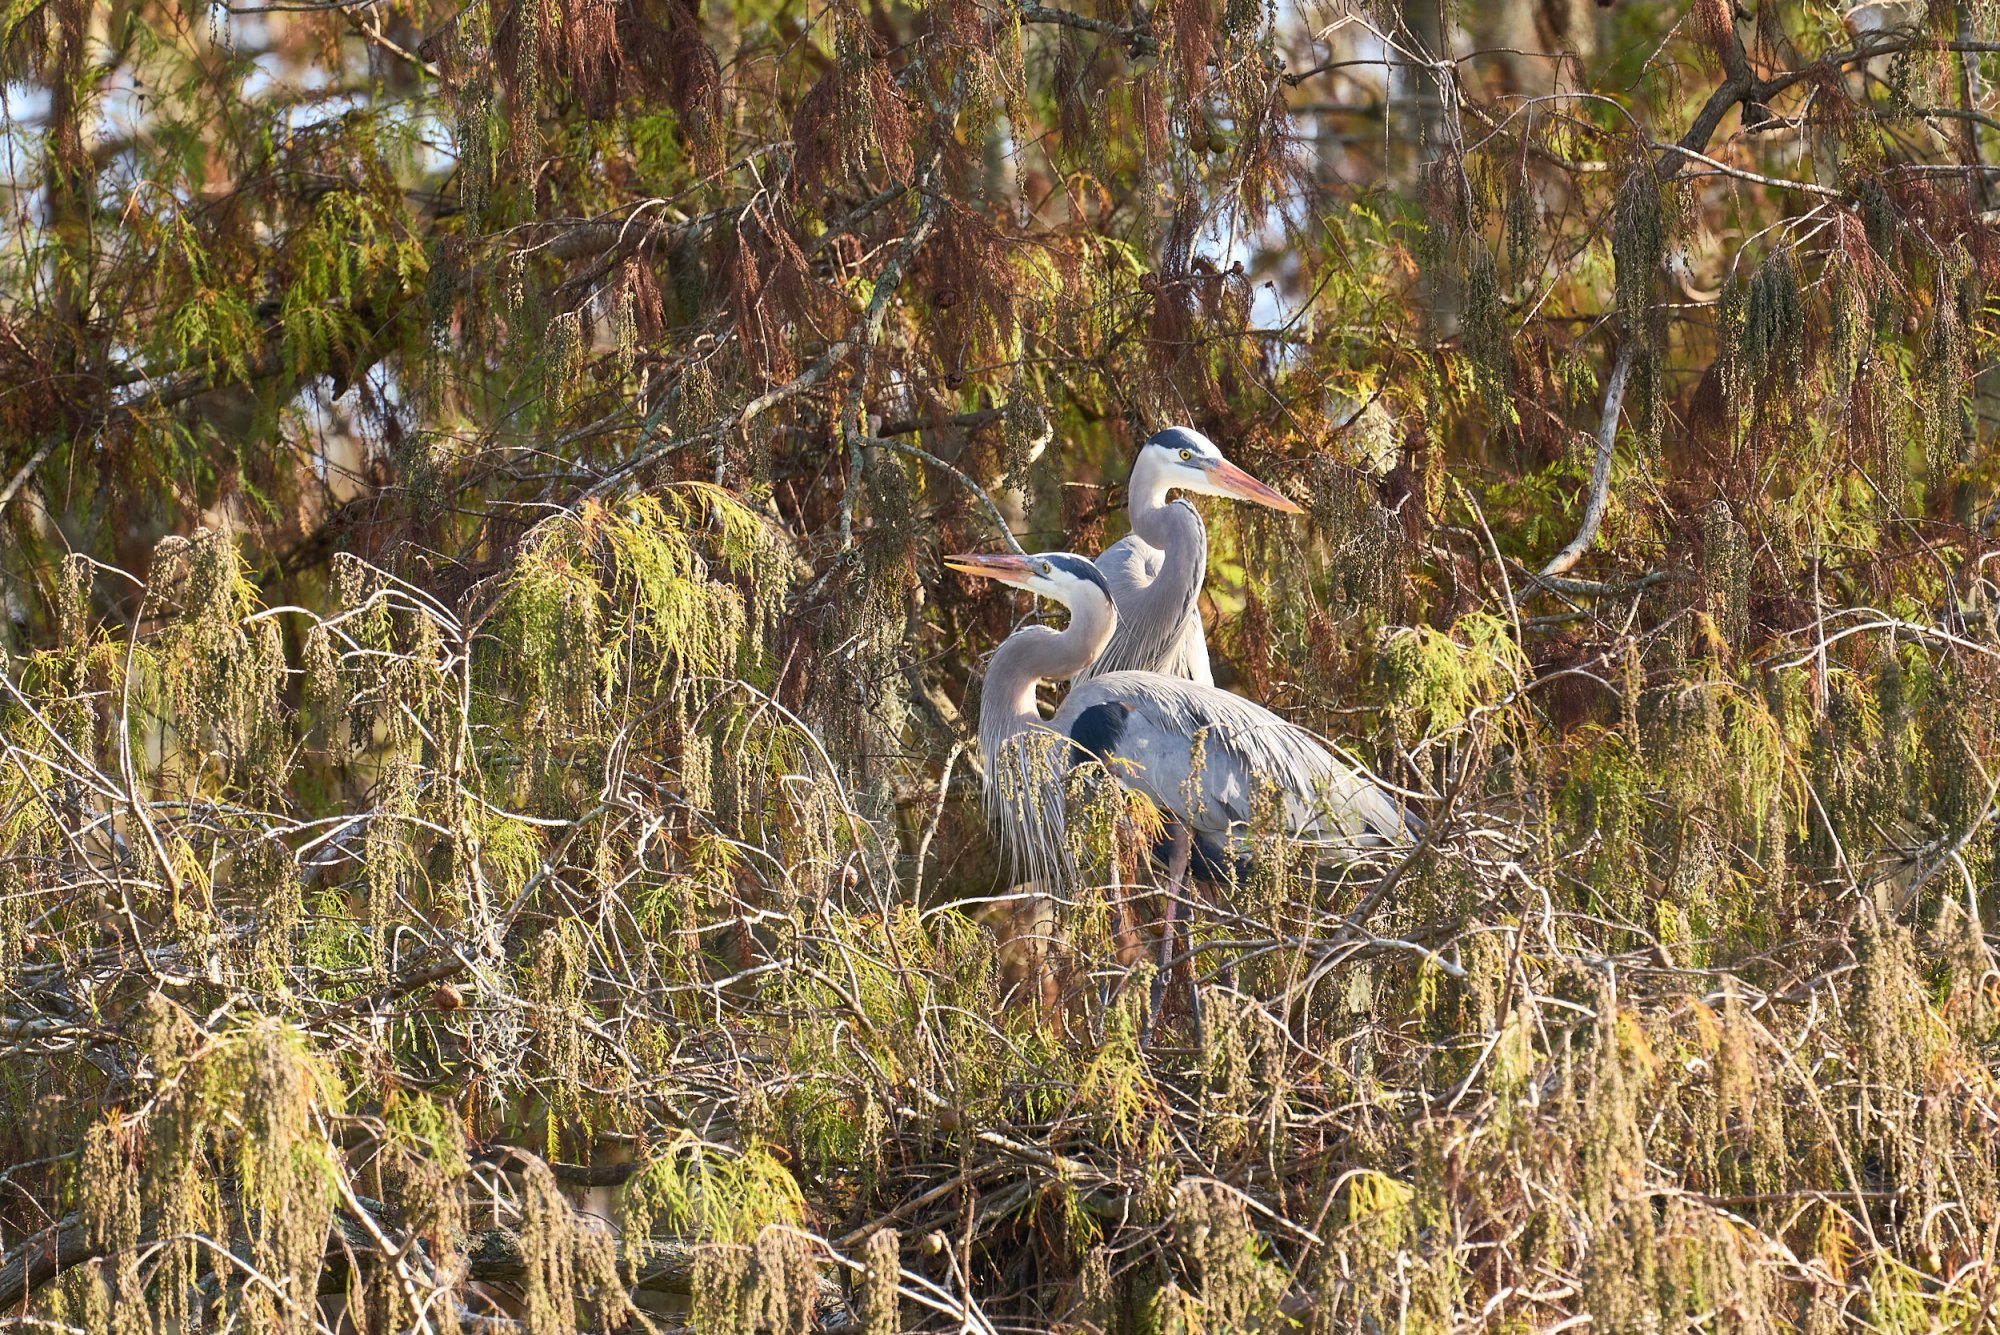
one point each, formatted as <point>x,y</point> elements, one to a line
<point>1235,482</point>
<point>1006,568</point>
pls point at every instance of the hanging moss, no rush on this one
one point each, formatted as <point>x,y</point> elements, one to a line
<point>1726,574</point>
<point>1946,427</point>
<point>1878,215</point>
<point>1638,245</point>
<point>1485,331</point>
<point>1522,221</point>
<point>1772,337</point>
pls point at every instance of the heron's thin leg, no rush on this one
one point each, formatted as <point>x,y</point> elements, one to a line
<point>1125,927</point>
<point>1177,864</point>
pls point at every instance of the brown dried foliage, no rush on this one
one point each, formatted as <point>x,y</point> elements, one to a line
<point>968,273</point>
<point>1717,27</point>
<point>1542,434</point>
<point>1075,86</point>
<point>664,46</point>
<point>851,121</point>
<point>1189,30</point>
<point>773,289</point>
<point>1176,339</point>
<point>1271,166</point>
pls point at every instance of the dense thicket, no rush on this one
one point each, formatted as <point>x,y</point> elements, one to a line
<point>489,827</point>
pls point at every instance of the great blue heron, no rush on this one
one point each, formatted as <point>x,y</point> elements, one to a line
<point>1146,729</point>
<point>1155,574</point>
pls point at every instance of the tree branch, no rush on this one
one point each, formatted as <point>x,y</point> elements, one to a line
<point>27,471</point>
<point>1138,40</point>
<point>1600,473</point>
<point>1741,85</point>
<point>999,519</point>
<point>42,1257</point>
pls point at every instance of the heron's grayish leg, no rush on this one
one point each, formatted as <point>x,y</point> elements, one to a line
<point>1225,972</point>
<point>1177,864</point>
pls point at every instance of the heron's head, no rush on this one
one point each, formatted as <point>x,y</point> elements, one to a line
<point>1063,576</point>
<point>1182,459</point>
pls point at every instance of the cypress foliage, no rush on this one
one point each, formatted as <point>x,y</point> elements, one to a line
<point>490,835</point>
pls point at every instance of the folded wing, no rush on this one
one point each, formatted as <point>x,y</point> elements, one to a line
<point>1205,755</point>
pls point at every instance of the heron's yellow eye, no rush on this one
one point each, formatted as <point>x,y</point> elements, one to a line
<point>1048,569</point>
<point>1186,455</point>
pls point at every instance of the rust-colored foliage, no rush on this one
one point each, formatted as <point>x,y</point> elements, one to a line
<point>967,273</point>
<point>852,122</point>
<point>663,44</point>
<point>773,286</point>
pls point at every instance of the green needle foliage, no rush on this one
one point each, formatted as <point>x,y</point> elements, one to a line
<point>490,836</point>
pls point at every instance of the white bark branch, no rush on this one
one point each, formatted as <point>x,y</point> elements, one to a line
<point>1600,474</point>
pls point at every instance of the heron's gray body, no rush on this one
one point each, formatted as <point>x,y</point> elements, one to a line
<point>1146,728</point>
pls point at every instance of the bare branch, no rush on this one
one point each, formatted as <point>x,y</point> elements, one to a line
<point>1600,473</point>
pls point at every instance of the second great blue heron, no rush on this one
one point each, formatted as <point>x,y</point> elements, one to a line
<point>1198,753</point>
<point>1155,574</point>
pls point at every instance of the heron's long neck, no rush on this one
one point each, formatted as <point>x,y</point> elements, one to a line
<point>1032,655</point>
<point>1178,532</point>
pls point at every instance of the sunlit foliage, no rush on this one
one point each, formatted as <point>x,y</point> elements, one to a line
<point>489,833</point>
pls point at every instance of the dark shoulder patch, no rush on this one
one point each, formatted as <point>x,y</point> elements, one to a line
<point>1096,731</point>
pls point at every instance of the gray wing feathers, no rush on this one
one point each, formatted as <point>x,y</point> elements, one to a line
<point>1242,746</point>
<point>1130,564</point>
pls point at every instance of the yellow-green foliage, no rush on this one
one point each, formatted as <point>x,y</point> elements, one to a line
<point>644,592</point>
<point>1435,680</point>
<point>237,1148</point>
<point>1237,1286</point>
<point>707,1193</point>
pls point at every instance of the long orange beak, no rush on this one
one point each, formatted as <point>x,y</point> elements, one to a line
<point>1235,482</point>
<point>1005,567</point>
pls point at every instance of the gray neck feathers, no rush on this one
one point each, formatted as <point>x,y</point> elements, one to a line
<point>1159,623</point>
